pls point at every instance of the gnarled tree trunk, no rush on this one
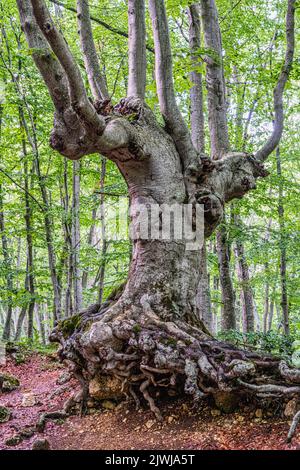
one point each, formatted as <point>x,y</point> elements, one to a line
<point>149,333</point>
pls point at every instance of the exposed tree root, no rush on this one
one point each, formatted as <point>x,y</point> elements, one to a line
<point>148,355</point>
<point>293,426</point>
<point>44,417</point>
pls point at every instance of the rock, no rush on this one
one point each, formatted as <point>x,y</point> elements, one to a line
<point>184,408</point>
<point>108,405</point>
<point>259,413</point>
<point>41,444</point>
<point>8,382</point>
<point>26,433</point>
<point>13,441</point>
<point>240,418</point>
<point>64,378</point>
<point>226,402</point>
<point>149,423</point>
<point>28,400</point>
<point>291,408</point>
<point>5,414</point>
<point>170,419</point>
<point>105,387</point>
<point>19,358</point>
<point>215,413</point>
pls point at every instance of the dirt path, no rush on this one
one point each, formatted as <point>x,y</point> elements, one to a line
<point>125,428</point>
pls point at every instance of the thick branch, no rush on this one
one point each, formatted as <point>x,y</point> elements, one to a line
<point>137,48</point>
<point>175,123</point>
<point>217,115</point>
<point>196,95</point>
<point>49,67</point>
<point>274,139</point>
<point>95,77</point>
<point>79,99</point>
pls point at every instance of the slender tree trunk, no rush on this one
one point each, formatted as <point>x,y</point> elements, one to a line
<point>103,232</point>
<point>8,271</point>
<point>67,231</point>
<point>30,262</point>
<point>282,246</point>
<point>266,308</point>
<point>90,243</point>
<point>271,313</point>
<point>228,298</point>
<point>77,279</point>
<point>40,323</point>
<point>246,291</point>
<point>203,293</point>
<point>20,322</point>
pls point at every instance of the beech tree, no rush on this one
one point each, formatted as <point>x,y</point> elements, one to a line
<point>149,334</point>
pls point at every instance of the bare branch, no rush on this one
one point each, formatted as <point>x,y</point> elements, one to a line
<point>175,123</point>
<point>95,77</point>
<point>196,95</point>
<point>79,99</point>
<point>137,48</point>
<point>215,83</point>
<point>102,23</point>
<point>274,139</point>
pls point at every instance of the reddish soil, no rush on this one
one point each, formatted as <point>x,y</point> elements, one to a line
<point>124,428</point>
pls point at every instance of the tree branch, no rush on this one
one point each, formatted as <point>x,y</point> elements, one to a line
<point>215,83</point>
<point>79,99</point>
<point>105,25</point>
<point>175,123</point>
<point>137,48</point>
<point>275,137</point>
<point>95,77</point>
<point>196,95</point>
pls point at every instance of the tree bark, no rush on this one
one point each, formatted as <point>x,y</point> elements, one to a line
<point>282,247</point>
<point>203,292</point>
<point>244,278</point>
<point>8,270</point>
<point>228,298</point>
<point>30,261</point>
<point>77,280</point>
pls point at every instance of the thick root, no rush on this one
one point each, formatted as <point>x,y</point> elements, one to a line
<point>148,355</point>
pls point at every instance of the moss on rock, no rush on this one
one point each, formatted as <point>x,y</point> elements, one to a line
<point>5,414</point>
<point>69,325</point>
<point>8,382</point>
<point>105,388</point>
<point>227,402</point>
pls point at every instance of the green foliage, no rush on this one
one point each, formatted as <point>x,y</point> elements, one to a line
<point>271,342</point>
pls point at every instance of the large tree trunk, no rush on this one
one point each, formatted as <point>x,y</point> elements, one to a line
<point>149,333</point>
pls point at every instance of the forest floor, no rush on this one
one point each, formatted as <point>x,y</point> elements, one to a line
<point>184,427</point>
